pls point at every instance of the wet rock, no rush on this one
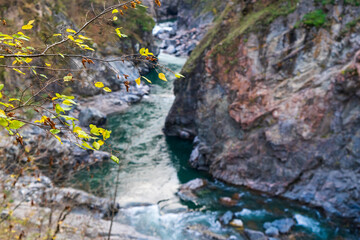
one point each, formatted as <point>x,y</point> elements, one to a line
<point>91,115</point>
<point>283,225</point>
<point>255,235</point>
<point>187,191</point>
<point>194,184</point>
<point>227,217</point>
<point>272,231</point>
<point>202,232</point>
<point>184,135</point>
<point>237,223</point>
<point>226,201</point>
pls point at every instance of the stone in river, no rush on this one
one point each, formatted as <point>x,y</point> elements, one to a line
<point>283,225</point>
<point>226,201</point>
<point>194,184</point>
<point>255,235</point>
<point>237,223</point>
<point>272,231</point>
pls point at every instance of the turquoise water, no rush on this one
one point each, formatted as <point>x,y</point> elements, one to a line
<point>153,167</point>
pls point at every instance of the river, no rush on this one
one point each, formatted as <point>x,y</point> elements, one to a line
<point>152,167</point>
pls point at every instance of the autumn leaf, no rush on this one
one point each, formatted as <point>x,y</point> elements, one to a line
<point>106,89</point>
<point>99,85</point>
<point>162,77</point>
<point>138,81</point>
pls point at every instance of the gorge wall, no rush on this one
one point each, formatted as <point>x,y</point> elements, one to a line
<point>272,98</point>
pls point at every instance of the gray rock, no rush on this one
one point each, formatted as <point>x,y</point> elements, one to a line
<point>194,184</point>
<point>91,115</point>
<point>171,49</point>
<point>272,232</point>
<point>255,235</point>
<point>283,225</point>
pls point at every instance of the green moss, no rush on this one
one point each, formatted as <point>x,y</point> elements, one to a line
<point>315,18</point>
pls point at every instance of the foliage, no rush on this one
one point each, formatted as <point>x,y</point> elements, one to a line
<point>22,55</point>
<point>315,18</point>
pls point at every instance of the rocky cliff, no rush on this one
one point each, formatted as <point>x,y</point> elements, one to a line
<point>272,98</point>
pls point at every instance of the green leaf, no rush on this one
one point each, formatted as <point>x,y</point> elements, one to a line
<point>3,122</point>
<point>54,131</point>
<point>1,86</point>
<point>115,159</point>
<point>44,76</point>
<point>61,55</point>
<point>96,145</point>
<point>14,99</point>
<point>85,144</point>
<point>59,109</point>
<point>10,132</point>
<point>16,124</point>
<point>67,78</point>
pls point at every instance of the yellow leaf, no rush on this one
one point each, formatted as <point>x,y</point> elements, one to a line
<point>57,34</point>
<point>178,75</point>
<point>118,32</point>
<point>48,64</point>
<point>27,148</point>
<point>71,37</point>
<point>26,27</point>
<point>27,60</point>
<point>115,18</point>
<point>146,79</point>
<point>15,69</point>
<point>162,77</point>
<point>115,11</point>
<point>83,37</point>
<point>106,89</point>
<point>142,51</point>
<point>99,85</point>
<point>89,48</point>
<point>58,138</point>
<point>69,30</point>
<point>31,22</point>
<point>1,56</point>
<point>138,81</point>
<point>148,53</point>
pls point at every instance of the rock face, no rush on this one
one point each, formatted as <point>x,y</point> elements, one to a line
<point>274,102</point>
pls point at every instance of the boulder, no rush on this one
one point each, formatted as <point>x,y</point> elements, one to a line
<point>237,223</point>
<point>255,235</point>
<point>282,225</point>
<point>91,115</point>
